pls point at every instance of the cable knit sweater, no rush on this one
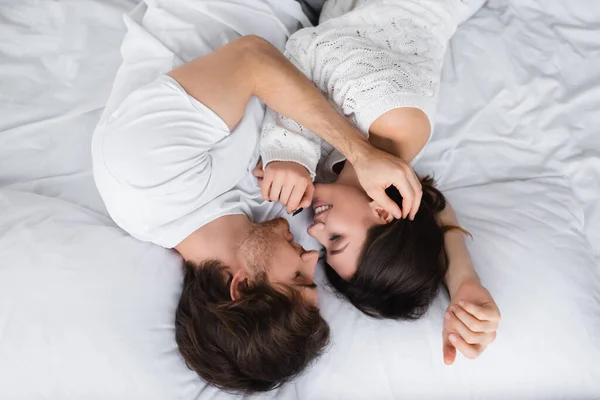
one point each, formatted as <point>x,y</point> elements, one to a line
<point>367,57</point>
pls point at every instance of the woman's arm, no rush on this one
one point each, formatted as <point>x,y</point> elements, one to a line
<point>471,326</point>
<point>460,267</point>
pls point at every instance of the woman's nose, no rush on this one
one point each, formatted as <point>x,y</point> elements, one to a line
<point>316,230</point>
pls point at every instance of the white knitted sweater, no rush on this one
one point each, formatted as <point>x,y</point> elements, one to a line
<point>367,57</point>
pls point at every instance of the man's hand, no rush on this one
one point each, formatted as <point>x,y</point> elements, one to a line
<point>286,182</point>
<point>470,322</point>
<point>377,170</point>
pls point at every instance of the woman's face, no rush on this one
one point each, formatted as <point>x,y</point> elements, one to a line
<point>343,215</point>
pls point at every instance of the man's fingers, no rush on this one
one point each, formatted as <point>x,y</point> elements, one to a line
<point>416,204</point>
<point>294,201</point>
<point>388,204</point>
<point>484,312</point>
<point>471,351</point>
<point>418,188</point>
<point>408,195</point>
<point>471,322</point>
<point>449,351</point>
<point>308,196</point>
<point>454,324</point>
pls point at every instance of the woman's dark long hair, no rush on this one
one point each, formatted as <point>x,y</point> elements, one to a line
<point>402,263</point>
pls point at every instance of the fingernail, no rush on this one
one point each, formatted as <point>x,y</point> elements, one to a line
<point>447,316</point>
<point>298,211</point>
<point>462,303</point>
<point>453,338</point>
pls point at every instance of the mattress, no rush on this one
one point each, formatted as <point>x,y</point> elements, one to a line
<point>86,312</point>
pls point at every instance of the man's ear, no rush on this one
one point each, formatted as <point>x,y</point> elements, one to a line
<point>238,283</point>
<point>383,217</point>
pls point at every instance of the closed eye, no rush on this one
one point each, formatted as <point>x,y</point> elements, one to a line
<point>336,239</point>
<point>338,251</point>
<point>304,285</point>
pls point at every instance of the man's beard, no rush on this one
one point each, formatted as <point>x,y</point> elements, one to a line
<point>256,248</point>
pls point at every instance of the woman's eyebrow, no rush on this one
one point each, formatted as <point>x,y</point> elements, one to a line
<point>338,251</point>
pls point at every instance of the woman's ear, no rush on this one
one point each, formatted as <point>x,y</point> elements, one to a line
<point>383,217</point>
<point>238,283</point>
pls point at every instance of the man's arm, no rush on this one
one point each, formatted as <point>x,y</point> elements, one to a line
<point>225,80</point>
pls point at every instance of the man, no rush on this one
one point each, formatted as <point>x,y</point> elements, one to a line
<point>173,159</point>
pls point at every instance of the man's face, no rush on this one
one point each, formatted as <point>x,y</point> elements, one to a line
<point>269,248</point>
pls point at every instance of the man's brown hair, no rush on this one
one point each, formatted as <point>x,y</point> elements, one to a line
<point>253,344</point>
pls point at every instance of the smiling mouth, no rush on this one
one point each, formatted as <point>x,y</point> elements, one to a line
<point>321,209</point>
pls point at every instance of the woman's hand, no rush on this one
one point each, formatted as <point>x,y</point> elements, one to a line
<point>377,170</point>
<point>287,182</point>
<point>470,322</point>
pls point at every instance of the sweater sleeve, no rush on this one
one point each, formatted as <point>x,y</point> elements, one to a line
<point>283,139</point>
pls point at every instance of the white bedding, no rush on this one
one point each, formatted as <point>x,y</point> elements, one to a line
<point>86,312</point>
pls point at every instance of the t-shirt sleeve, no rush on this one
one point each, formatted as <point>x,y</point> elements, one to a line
<point>156,159</point>
<point>160,136</point>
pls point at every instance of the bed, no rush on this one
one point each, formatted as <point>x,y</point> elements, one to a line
<point>86,312</point>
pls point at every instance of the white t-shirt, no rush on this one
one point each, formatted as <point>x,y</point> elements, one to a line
<point>164,163</point>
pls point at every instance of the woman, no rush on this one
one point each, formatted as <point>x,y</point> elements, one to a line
<point>379,62</point>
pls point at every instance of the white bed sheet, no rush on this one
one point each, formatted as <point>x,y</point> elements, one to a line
<point>86,312</point>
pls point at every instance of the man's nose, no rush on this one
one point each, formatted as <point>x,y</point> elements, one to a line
<point>310,259</point>
<point>283,226</point>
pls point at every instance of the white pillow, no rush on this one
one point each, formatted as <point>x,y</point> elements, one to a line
<point>86,311</point>
<point>82,303</point>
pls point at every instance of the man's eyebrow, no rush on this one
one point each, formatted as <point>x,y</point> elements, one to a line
<point>334,252</point>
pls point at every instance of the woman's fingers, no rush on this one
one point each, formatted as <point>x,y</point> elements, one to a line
<point>454,324</point>
<point>258,170</point>
<point>295,198</point>
<point>485,312</point>
<point>449,351</point>
<point>489,338</point>
<point>276,188</point>
<point>265,186</point>
<point>308,196</point>
<point>471,351</point>
<point>470,321</point>
<point>286,193</point>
